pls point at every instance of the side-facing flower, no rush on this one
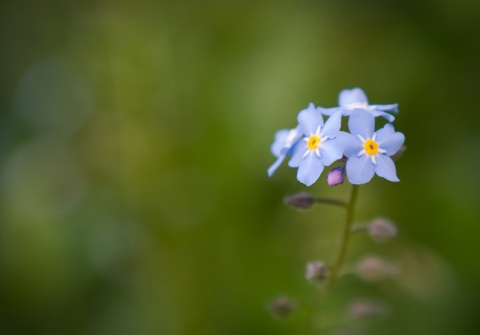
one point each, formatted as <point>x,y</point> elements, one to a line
<point>369,152</point>
<point>282,145</point>
<point>353,99</point>
<point>319,146</point>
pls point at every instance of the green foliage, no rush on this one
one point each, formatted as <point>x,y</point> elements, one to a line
<point>134,144</point>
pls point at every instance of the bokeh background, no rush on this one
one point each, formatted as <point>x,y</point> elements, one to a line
<point>135,138</point>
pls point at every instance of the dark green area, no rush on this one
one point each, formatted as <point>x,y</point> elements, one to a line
<point>134,144</point>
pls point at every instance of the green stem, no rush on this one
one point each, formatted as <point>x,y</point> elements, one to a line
<point>331,202</point>
<point>337,264</point>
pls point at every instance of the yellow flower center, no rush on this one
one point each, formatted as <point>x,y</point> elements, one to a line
<point>371,147</point>
<point>313,142</point>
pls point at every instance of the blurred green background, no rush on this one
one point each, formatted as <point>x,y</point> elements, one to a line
<point>135,138</point>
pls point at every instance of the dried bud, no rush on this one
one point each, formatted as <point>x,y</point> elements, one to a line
<point>372,268</point>
<point>336,175</point>
<point>382,230</point>
<point>281,307</point>
<point>366,309</point>
<point>316,271</point>
<point>301,200</point>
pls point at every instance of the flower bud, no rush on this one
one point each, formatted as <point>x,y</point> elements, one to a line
<point>382,230</point>
<point>302,200</point>
<point>336,175</point>
<point>317,271</point>
<point>281,307</point>
<point>366,309</point>
<point>373,268</point>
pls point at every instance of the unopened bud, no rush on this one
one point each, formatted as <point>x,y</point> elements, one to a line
<point>317,271</point>
<point>281,307</point>
<point>302,200</point>
<point>366,309</point>
<point>373,268</point>
<point>336,175</point>
<point>382,230</point>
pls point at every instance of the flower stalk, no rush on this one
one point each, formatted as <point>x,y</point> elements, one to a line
<point>361,153</point>
<point>331,202</point>
<point>337,264</point>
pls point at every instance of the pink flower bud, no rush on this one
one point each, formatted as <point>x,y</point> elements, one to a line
<point>382,230</point>
<point>281,307</point>
<point>336,175</point>
<point>373,268</point>
<point>366,309</point>
<point>316,271</point>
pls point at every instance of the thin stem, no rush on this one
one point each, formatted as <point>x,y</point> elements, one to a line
<point>336,266</point>
<point>358,229</point>
<point>331,202</point>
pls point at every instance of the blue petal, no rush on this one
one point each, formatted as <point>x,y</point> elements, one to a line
<point>309,119</point>
<point>275,165</point>
<point>389,108</point>
<point>361,123</point>
<point>390,140</point>
<point>386,168</point>
<point>351,144</point>
<point>355,95</point>
<point>330,151</point>
<point>375,113</point>
<point>360,170</point>
<point>328,111</point>
<point>310,169</point>
<point>291,142</point>
<point>332,126</point>
<point>297,154</point>
<point>279,141</point>
<point>346,111</point>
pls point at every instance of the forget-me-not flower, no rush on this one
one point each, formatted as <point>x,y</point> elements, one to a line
<point>319,146</point>
<point>369,152</point>
<point>355,98</point>
<point>282,146</point>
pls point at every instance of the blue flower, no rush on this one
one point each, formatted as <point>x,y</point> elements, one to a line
<point>282,146</point>
<point>369,152</point>
<point>353,99</point>
<point>318,147</point>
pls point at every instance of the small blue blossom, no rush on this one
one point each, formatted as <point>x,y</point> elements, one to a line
<point>282,146</point>
<point>318,147</point>
<point>369,152</point>
<point>354,99</point>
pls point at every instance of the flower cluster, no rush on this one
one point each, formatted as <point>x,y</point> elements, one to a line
<point>315,143</point>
